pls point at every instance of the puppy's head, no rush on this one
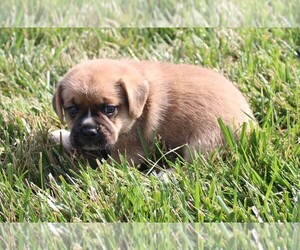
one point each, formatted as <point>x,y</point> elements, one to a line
<point>100,100</point>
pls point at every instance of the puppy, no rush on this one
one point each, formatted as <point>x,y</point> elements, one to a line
<point>120,106</point>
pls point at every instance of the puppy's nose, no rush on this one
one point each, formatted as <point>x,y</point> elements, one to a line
<point>89,132</point>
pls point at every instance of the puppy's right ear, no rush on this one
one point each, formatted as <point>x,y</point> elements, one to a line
<point>137,91</point>
<point>57,103</point>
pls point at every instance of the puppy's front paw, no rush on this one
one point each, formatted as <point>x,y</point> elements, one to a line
<point>62,136</point>
<point>167,175</point>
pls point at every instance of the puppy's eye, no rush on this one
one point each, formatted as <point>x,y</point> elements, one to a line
<point>109,110</point>
<point>73,111</point>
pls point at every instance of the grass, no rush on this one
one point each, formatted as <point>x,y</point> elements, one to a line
<point>164,13</point>
<point>257,180</point>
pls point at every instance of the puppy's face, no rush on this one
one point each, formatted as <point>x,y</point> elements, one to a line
<point>100,99</point>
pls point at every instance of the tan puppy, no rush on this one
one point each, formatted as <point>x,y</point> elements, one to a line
<point>115,105</point>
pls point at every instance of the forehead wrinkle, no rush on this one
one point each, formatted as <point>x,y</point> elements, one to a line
<point>90,97</point>
<point>92,88</point>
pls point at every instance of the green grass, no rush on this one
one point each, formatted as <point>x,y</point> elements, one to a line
<point>139,13</point>
<point>256,180</point>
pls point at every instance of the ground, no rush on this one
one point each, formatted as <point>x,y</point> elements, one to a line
<point>256,180</point>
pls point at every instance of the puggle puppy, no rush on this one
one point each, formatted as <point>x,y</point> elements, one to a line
<point>120,106</point>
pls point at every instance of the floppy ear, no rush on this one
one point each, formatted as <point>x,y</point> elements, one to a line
<point>137,94</point>
<point>57,103</point>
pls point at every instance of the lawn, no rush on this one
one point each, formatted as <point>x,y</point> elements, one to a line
<point>257,180</point>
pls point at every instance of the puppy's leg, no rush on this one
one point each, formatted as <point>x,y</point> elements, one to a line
<point>167,175</point>
<point>62,136</point>
<point>203,145</point>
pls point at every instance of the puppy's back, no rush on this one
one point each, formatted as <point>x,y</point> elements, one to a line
<point>193,98</point>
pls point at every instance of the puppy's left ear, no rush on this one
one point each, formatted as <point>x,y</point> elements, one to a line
<point>137,92</point>
<point>57,103</point>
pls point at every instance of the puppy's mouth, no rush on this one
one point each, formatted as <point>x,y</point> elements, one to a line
<point>92,147</point>
<point>88,139</point>
<point>91,134</point>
